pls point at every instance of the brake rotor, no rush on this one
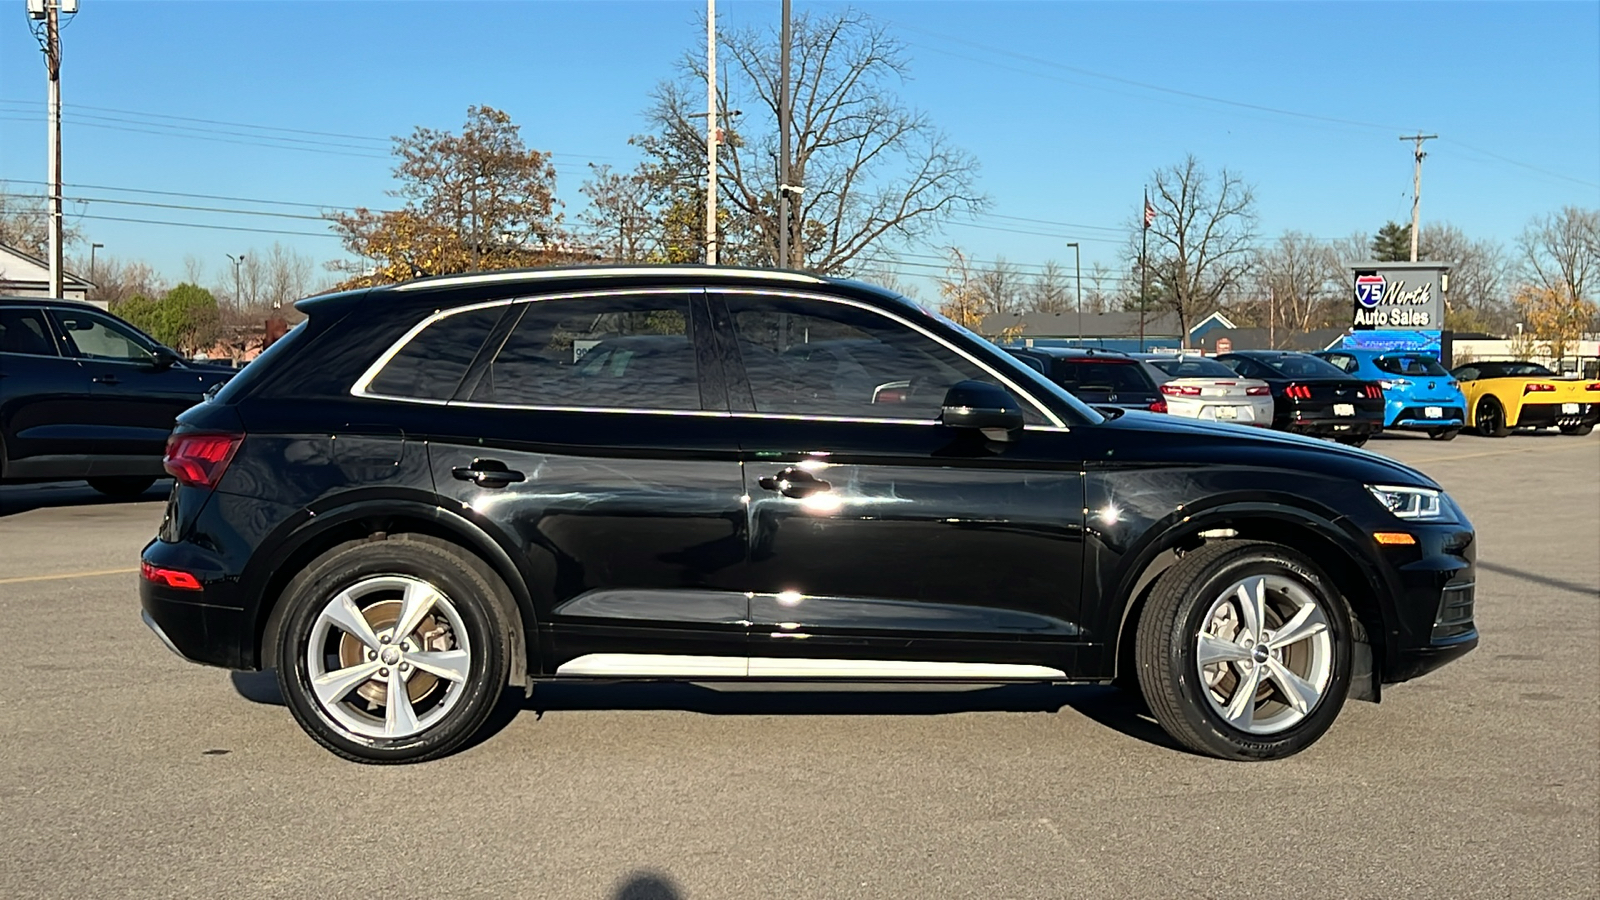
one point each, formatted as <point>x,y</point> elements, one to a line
<point>432,634</point>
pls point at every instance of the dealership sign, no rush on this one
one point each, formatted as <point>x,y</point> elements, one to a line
<point>1399,296</point>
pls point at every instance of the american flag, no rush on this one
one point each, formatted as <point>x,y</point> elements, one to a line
<point>1149,213</point>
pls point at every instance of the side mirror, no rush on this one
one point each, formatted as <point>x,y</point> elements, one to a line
<point>162,358</point>
<point>976,404</point>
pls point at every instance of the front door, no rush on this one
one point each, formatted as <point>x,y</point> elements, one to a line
<point>883,544</point>
<point>592,433</point>
<point>134,399</point>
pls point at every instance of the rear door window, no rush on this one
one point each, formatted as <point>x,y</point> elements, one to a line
<point>430,365</point>
<point>25,331</point>
<point>625,351</point>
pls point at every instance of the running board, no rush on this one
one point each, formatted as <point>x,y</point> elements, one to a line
<point>654,665</point>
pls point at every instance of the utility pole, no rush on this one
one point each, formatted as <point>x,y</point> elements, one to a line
<point>1144,266</point>
<point>1416,188</point>
<point>49,13</point>
<point>784,114</point>
<point>92,248</point>
<point>1272,318</point>
<point>1077,266</point>
<point>711,132</point>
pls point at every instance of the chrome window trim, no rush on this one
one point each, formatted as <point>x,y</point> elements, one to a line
<point>363,384</point>
<point>709,272</point>
<point>846,301</point>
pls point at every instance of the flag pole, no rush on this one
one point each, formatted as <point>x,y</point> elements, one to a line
<point>1144,268</point>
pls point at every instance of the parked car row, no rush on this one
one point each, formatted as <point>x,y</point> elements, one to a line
<point>1345,395</point>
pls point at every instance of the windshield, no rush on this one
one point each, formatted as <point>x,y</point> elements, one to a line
<point>1410,365</point>
<point>1302,365</point>
<point>1193,367</point>
<point>1015,369</point>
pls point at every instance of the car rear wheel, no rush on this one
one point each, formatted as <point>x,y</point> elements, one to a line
<point>392,651</point>
<point>122,487</point>
<point>1578,429</point>
<point>1491,418</point>
<point>1444,434</point>
<point>1244,651</point>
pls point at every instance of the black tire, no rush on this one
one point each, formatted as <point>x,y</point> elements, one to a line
<point>1579,430</point>
<point>1490,420</point>
<point>470,589</point>
<point>123,487</point>
<point>1167,649</point>
<point>1443,434</point>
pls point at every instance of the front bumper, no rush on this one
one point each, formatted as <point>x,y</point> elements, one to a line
<point>1435,591</point>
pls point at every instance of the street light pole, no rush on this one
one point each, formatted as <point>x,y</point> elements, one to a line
<point>238,289</point>
<point>784,113</point>
<point>92,249</point>
<point>711,132</point>
<point>1077,267</point>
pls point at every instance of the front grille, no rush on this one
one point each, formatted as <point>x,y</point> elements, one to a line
<point>1455,612</point>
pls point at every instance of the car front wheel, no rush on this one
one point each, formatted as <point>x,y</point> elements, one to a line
<point>392,651</point>
<point>1244,651</point>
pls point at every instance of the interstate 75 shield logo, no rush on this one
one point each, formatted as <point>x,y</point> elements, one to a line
<point>1369,290</point>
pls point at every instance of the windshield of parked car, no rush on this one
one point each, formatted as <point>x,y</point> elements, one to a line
<point>1015,369</point>
<point>1410,365</point>
<point>1193,367</point>
<point>1302,365</point>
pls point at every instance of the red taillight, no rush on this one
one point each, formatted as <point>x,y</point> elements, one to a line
<point>1159,406</point>
<point>198,460</point>
<point>1373,392</point>
<point>1258,391</point>
<point>1593,386</point>
<point>1179,390</point>
<point>1537,388</point>
<point>171,578</point>
<point>1297,392</point>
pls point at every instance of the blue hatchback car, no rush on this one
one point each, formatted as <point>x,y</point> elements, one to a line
<point>1419,394</point>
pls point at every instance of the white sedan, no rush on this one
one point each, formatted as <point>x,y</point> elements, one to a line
<point>1205,389</point>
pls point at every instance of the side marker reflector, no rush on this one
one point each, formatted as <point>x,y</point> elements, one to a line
<point>1398,538</point>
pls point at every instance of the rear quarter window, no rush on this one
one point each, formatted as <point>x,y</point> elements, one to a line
<point>431,365</point>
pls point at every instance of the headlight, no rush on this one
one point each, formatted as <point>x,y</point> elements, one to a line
<point>1413,503</point>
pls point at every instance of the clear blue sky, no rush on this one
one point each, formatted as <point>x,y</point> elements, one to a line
<point>1032,89</point>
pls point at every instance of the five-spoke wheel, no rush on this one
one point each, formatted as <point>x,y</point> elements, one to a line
<point>393,650</point>
<point>1243,650</point>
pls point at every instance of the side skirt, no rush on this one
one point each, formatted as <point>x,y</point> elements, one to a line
<point>651,665</point>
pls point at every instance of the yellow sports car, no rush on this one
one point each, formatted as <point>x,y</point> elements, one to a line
<point>1506,395</point>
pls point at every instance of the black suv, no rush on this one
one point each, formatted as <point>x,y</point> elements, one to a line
<point>84,394</point>
<point>432,491</point>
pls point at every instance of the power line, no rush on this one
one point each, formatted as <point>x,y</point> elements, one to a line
<point>208,227</point>
<point>104,187</point>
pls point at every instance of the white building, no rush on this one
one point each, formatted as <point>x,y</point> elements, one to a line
<point>22,275</point>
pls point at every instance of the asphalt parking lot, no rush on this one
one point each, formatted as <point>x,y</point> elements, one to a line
<point>130,773</point>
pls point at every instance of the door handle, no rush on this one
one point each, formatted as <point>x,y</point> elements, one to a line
<point>106,379</point>
<point>794,482</point>
<point>490,473</point>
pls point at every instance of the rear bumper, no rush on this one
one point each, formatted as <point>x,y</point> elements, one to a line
<point>192,624</point>
<point>1414,414</point>
<point>1545,415</point>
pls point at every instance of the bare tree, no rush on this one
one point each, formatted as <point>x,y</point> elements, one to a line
<point>620,217</point>
<point>1560,252</point>
<point>117,282</point>
<point>1291,276</point>
<point>1201,241</point>
<point>1002,287</point>
<point>1099,290</point>
<point>1478,269</point>
<point>288,277</point>
<point>1051,291</point>
<point>873,171</point>
<point>25,223</point>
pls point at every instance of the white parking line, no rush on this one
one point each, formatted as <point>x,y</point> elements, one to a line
<point>26,578</point>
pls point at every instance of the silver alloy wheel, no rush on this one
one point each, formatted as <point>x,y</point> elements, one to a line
<point>388,657</point>
<point>1265,654</point>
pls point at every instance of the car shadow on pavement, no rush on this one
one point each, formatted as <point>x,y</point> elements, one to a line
<point>1571,587</point>
<point>647,886</point>
<point>21,498</point>
<point>1102,704</point>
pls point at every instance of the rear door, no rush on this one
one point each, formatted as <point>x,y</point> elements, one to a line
<point>591,431</point>
<point>44,399</point>
<point>883,544</point>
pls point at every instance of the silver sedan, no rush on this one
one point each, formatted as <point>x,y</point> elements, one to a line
<point>1205,389</point>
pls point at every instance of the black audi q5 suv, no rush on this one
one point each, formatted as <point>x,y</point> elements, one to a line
<point>433,491</point>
